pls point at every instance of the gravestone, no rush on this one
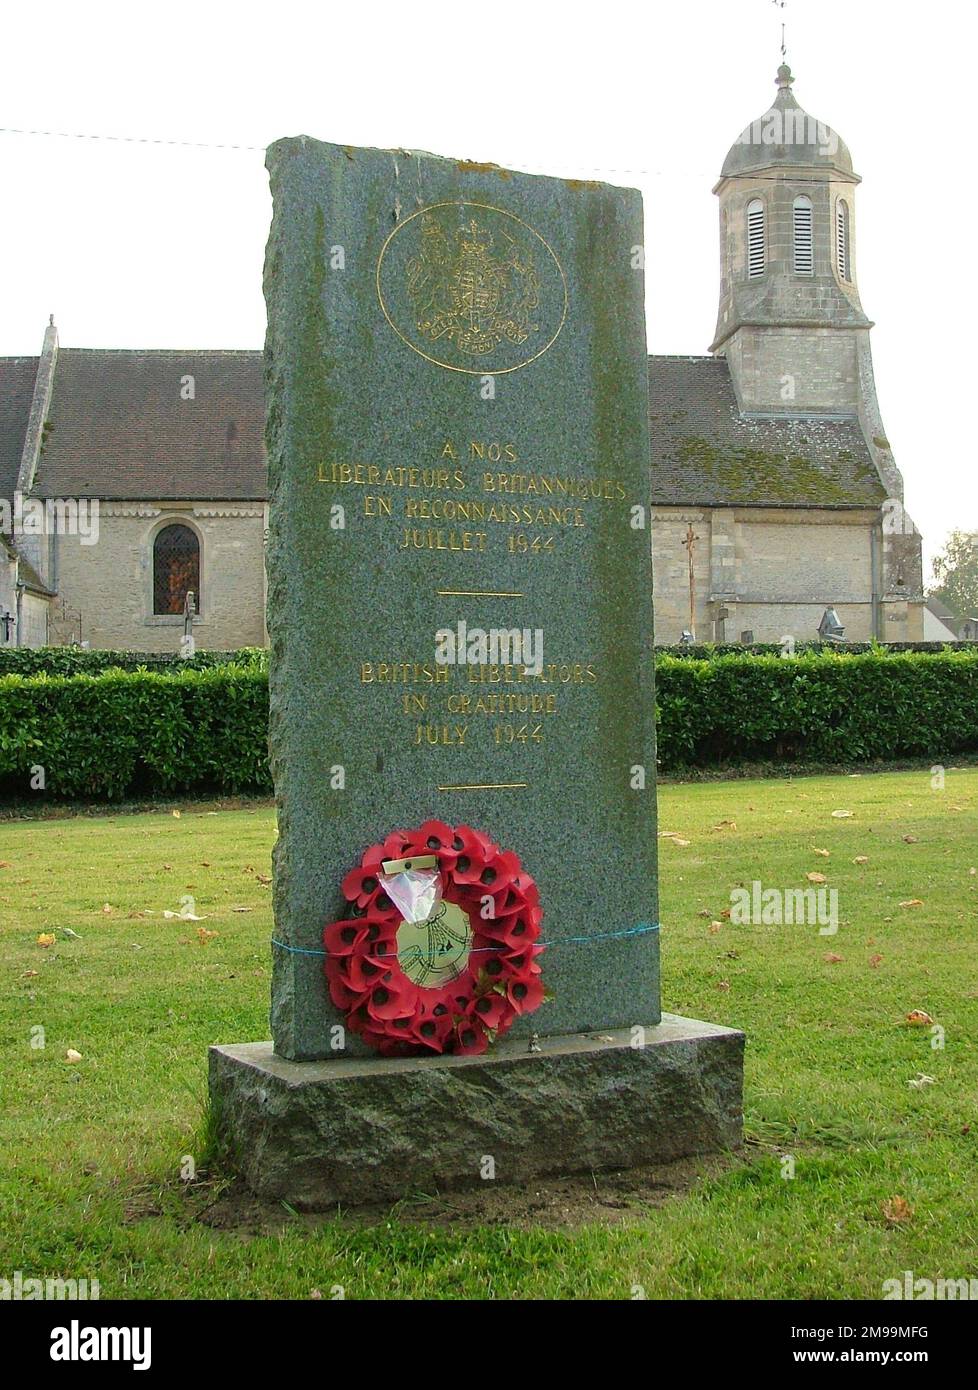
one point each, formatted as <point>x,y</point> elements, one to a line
<point>459,608</point>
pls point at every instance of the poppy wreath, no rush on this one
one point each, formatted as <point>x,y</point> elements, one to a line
<point>500,978</point>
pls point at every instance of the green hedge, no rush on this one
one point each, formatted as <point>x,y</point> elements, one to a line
<point>819,707</point>
<point>132,733</point>
<point>76,661</point>
<point>126,733</point>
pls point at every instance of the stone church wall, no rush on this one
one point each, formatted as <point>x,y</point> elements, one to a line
<point>111,583</point>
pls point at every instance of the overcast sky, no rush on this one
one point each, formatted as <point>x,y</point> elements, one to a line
<point>143,245</point>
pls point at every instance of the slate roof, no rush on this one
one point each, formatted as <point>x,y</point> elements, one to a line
<point>16,389</point>
<point>118,427</point>
<point>704,452</point>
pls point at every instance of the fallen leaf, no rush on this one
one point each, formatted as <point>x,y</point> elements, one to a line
<point>823,853</point>
<point>242,909</point>
<point>921,1080</point>
<point>919,1018</point>
<point>861,859</point>
<point>203,935</point>
<point>176,815</point>
<point>910,839</point>
<point>723,984</point>
<point>5,864</point>
<point>816,878</point>
<point>726,825</point>
<point>831,958</point>
<point>72,1056</point>
<point>31,974</point>
<point>107,908</point>
<point>205,863</point>
<point>841,815</point>
<point>912,902</point>
<point>897,1210</point>
<point>168,867</point>
<point>677,840</point>
<point>725,913</point>
<point>183,916</point>
<point>46,939</point>
<point>875,961</point>
<point>714,927</point>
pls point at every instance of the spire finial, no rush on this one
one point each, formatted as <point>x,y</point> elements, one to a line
<point>785,78</point>
<point>780,4</point>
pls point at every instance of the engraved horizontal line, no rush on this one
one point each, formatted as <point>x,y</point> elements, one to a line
<point>483,786</point>
<point>480,593</point>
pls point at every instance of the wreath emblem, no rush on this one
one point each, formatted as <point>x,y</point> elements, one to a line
<point>457,980</point>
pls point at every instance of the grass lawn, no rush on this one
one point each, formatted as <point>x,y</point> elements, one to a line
<point>91,1151</point>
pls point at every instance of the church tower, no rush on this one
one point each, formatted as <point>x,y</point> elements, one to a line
<point>790,325</point>
<point>790,314</point>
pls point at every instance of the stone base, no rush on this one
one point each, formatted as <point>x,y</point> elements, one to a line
<point>354,1130</point>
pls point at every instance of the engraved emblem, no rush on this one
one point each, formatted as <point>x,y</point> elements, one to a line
<point>434,952</point>
<point>471,287</point>
<point>469,291</point>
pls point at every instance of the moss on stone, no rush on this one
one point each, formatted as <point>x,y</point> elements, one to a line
<point>759,475</point>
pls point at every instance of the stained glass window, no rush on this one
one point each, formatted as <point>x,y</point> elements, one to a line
<point>176,569</point>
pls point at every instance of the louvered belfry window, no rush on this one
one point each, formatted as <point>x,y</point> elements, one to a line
<point>842,239</point>
<point>755,238</point>
<point>176,569</point>
<point>801,214</point>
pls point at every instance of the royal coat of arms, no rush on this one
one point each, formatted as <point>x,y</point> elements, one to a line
<point>474,288</point>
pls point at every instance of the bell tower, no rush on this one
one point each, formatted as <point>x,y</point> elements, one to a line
<point>790,315</point>
<point>790,323</point>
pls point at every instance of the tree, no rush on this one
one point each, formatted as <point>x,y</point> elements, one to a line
<point>956,573</point>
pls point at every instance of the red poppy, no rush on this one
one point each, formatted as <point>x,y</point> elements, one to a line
<point>500,981</point>
<point>525,994</point>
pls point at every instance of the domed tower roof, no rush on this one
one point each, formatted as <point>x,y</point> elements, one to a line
<point>786,135</point>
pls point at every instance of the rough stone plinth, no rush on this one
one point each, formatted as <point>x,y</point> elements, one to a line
<point>353,1130</point>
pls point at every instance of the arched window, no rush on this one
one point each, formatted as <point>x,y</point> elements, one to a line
<point>842,239</point>
<point>176,569</point>
<point>755,238</point>
<point>801,215</point>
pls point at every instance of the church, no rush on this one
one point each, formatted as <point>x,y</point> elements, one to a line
<point>775,491</point>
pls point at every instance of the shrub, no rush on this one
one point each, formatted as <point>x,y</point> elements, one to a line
<point>125,733</point>
<point>74,661</point>
<point>204,728</point>
<point>822,706</point>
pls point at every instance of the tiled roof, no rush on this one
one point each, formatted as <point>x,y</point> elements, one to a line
<point>704,452</point>
<point>16,390</point>
<point>118,426</point>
